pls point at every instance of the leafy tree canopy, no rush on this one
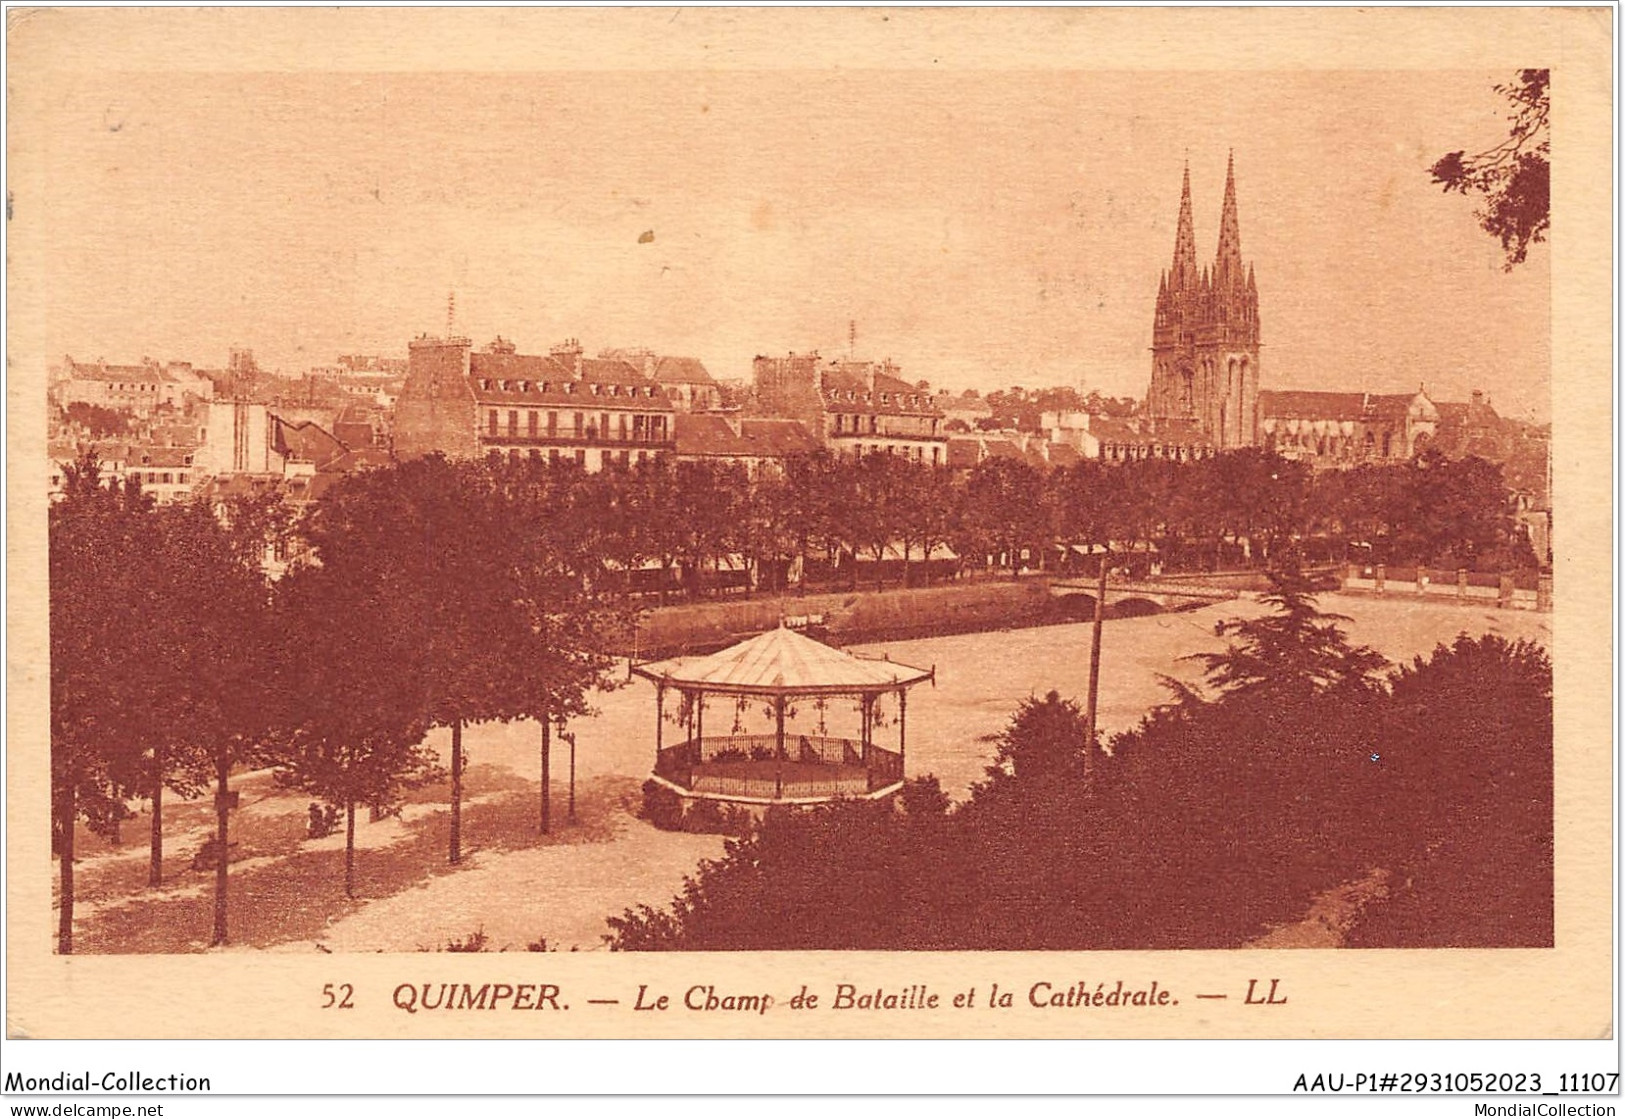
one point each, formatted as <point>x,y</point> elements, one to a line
<point>1513,178</point>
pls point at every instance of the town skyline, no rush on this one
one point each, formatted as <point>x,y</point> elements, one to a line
<point>982,232</point>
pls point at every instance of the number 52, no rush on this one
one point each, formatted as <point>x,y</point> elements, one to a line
<point>337,996</point>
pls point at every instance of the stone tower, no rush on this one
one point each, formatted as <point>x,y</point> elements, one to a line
<point>1204,341</point>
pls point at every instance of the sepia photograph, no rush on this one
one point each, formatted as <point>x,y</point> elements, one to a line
<point>758,531</point>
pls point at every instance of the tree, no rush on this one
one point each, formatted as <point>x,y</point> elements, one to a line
<point>1003,512</point>
<point>99,421</point>
<point>161,677</point>
<point>1514,176</point>
<point>1465,802</point>
<point>93,530</point>
<point>355,736</point>
<point>1043,743</point>
<point>1291,654</point>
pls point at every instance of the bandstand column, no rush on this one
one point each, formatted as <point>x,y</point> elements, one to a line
<point>778,754</point>
<point>660,718</point>
<point>867,731</point>
<point>699,727</point>
<point>902,724</point>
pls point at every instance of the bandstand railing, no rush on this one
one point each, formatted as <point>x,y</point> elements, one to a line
<point>811,766</point>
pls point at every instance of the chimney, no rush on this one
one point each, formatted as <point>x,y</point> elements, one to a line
<point>569,352</point>
<point>1478,396</point>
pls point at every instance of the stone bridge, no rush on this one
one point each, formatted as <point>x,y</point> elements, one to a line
<point>1132,597</point>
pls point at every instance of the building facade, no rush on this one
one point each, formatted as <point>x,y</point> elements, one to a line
<point>561,406</point>
<point>1334,429</point>
<point>1205,337</point>
<point>854,407</point>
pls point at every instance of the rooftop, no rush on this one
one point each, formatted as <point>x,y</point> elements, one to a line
<point>783,662</point>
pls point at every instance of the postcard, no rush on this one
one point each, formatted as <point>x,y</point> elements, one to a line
<point>812,523</point>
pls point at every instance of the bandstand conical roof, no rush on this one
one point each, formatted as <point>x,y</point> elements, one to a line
<point>783,662</point>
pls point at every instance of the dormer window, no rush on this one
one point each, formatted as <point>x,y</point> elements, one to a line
<point>569,387</point>
<point>596,389</point>
<point>885,398</point>
<point>503,385</point>
<point>485,384</point>
<point>546,387</point>
<point>524,386</point>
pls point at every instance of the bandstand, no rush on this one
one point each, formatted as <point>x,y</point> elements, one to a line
<point>781,719</point>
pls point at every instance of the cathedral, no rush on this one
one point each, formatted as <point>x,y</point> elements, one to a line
<point>1204,373</point>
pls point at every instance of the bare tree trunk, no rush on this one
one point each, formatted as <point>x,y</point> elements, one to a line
<point>456,853</point>
<point>222,824</point>
<point>68,808</point>
<point>349,849</point>
<point>547,775</point>
<point>155,873</point>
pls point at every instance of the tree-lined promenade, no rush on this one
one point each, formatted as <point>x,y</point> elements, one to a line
<point>441,594</point>
<point>699,528</point>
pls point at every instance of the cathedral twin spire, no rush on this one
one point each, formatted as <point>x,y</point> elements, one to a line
<point>1229,280</point>
<point>1205,339</point>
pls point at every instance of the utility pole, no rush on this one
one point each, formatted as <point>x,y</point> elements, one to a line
<point>1094,669</point>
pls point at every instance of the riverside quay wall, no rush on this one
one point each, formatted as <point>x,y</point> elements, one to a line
<point>849,617</point>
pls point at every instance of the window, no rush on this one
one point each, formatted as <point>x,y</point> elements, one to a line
<point>569,388</point>
<point>596,389</point>
<point>513,422</point>
<point>165,478</point>
<point>491,422</point>
<point>485,384</point>
<point>547,387</point>
<point>552,425</point>
<point>524,386</point>
<point>503,385</point>
<point>603,425</point>
<point>581,458</point>
<point>532,422</point>
<point>580,423</point>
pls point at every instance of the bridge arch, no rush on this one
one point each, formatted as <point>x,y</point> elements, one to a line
<point>1134,607</point>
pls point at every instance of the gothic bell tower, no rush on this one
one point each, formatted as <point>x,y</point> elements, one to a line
<point>1205,337</point>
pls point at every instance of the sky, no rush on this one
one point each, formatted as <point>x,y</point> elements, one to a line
<point>981,228</point>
